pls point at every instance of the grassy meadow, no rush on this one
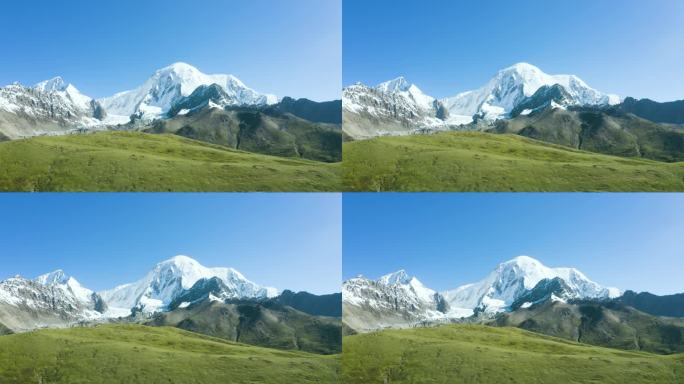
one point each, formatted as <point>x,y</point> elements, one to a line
<point>139,354</point>
<point>480,354</point>
<point>474,161</point>
<point>133,161</point>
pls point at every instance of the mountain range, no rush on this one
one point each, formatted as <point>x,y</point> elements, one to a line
<point>179,287</point>
<point>399,300</point>
<point>180,99</point>
<point>522,99</point>
<point>400,107</point>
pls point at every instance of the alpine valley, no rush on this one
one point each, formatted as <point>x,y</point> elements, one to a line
<point>532,320</point>
<point>213,133</point>
<point>524,130</point>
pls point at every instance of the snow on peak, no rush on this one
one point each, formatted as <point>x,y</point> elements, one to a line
<point>398,277</point>
<point>168,85</point>
<point>169,278</point>
<point>512,278</point>
<point>56,84</point>
<point>400,84</point>
<point>55,277</point>
<point>512,85</point>
<point>60,280</point>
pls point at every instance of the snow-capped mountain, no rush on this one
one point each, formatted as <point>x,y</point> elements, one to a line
<point>169,279</point>
<point>397,105</point>
<point>51,300</point>
<point>50,107</point>
<point>393,300</point>
<point>512,85</point>
<point>398,300</point>
<point>512,279</point>
<point>155,97</point>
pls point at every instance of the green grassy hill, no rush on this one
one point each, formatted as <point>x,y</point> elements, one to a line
<point>138,354</point>
<point>473,161</point>
<point>128,161</point>
<point>480,354</point>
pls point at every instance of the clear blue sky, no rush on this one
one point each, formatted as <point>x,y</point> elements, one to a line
<point>290,241</point>
<point>630,241</point>
<point>289,48</point>
<point>628,47</point>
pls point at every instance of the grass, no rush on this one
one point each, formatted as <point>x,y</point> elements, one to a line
<point>474,161</point>
<point>133,161</point>
<point>139,354</point>
<point>480,354</point>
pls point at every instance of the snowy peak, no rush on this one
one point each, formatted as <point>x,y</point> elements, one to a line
<point>400,84</point>
<point>170,278</point>
<point>512,85</point>
<point>56,84</point>
<point>399,277</point>
<point>168,85</point>
<point>55,277</point>
<point>514,278</point>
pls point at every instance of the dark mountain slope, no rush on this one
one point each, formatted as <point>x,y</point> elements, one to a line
<point>669,112</point>
<point>667,305</point>
<point>601,131</point>
<point>604,324</point>
<point>324,112</point>
<point>253,130</point>
<point>317,305</point>
<point>264,324</point>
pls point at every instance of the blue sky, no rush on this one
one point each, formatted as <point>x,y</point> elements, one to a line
<point>287,240</point>
<point>630,241</point>
<point>290,48</point>
<point>631,47</point>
